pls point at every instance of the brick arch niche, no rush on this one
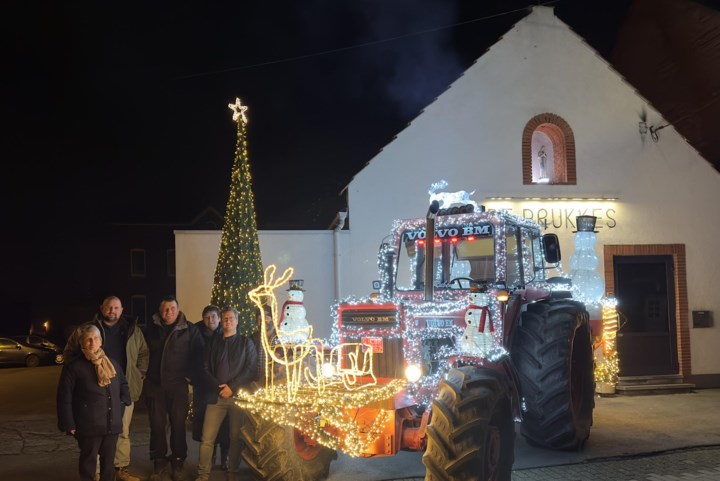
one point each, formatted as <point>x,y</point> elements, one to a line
<point>548,151</point>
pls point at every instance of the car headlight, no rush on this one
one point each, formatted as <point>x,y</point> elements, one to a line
<point>413,373</point>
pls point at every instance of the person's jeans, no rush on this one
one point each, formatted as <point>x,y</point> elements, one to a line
<point>214,416</point>
<point>163,405</point>
<point>122,453</point>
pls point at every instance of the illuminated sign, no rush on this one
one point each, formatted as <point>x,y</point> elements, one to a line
<point>362,316</point>
<point>554,214</point>
<point>439,323</point>
<point>452,231</point>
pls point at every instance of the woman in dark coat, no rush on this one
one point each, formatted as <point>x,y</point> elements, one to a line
<point>91,397</point>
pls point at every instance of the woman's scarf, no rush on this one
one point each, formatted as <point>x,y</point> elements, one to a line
<point>103,367</point>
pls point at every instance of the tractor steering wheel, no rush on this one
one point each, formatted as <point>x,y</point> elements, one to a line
<point>459,283</point>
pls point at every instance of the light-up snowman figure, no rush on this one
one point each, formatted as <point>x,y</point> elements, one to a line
<point>584,261</point>
<point>478,335</point>
<point>293,325</point>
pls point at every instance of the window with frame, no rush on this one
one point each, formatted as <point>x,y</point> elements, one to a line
<point>171,262</point>
<point>138,308</point>
<point>137,262</point>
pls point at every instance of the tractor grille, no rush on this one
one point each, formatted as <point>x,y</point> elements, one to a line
<point>390,363</point>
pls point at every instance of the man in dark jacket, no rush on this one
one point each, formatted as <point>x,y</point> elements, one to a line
<point>91,396</point>
<point>124,342</point>
<point>175,353</point>
<point>209,327</point>
<point>230,364</point>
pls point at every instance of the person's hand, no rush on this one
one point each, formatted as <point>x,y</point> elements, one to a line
<point>225,391</point>
<point>70,432</point>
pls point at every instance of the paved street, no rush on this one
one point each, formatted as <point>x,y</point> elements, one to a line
<point>656,438</point>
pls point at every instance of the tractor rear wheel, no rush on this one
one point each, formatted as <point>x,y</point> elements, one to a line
<point>282,453</point>
<point>552,351</point>
<point>471,435</point>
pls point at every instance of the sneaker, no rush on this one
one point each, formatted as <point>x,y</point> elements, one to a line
<point>122,474</point>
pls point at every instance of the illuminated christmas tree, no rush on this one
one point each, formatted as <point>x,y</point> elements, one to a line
<point>239,266</point>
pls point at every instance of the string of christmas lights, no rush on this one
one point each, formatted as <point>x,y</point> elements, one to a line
<point>239,265</point>
<point>321,403</point>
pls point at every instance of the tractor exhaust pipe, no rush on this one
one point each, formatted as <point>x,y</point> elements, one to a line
<point>430,250</point>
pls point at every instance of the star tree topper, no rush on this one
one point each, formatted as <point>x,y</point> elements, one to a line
<point>238,110</point>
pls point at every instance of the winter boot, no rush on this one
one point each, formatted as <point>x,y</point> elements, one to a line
<point>178,469</point>
<point>160,468</point>
<point>122,474</point>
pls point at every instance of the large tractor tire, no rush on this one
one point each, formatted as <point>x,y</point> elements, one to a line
<point>552,351</point>
<point>277,453</point>
<point>471,435</point>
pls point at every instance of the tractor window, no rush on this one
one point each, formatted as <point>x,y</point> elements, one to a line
<point>513,257</point>
<point>538,260</point>
<point>471,256</point>
<point>527,256</point>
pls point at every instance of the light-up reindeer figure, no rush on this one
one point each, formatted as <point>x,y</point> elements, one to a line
<point>292,357</point>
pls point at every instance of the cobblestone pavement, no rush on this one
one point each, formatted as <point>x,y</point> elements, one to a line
<point>686,464</point>
<point>693,464</point>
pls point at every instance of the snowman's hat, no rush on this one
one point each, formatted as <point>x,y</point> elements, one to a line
<point>585,223</point>
<point>296,285</point>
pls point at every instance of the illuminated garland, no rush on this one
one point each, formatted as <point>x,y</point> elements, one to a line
<point>239,266</point>
<point>606,359</point>
<point>316,392</point>
<point>328,419</point>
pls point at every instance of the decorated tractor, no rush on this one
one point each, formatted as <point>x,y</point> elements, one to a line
<point>465,336</point>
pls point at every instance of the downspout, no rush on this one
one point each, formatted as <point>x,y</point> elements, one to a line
<point>337,226</point>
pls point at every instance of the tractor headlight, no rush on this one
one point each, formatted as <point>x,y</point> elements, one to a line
<point>328,369</point>
<point>413,373</point>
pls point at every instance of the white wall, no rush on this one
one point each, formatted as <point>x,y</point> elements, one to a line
<point>309,253</point>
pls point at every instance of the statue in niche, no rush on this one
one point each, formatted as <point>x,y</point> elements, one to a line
<point>542,160</point>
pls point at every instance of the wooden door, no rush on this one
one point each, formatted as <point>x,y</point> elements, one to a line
<point>647,339</point>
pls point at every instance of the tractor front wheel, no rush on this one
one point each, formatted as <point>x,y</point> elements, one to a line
<point>282,453</point>
<point>552,351</point>
<point>471,435</point>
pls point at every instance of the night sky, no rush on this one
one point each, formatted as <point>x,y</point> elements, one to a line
<point>117,111</point>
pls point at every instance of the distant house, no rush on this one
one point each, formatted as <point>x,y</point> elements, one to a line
<point>135,262</point>
<point>545,127</point>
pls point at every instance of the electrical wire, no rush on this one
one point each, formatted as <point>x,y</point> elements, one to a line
<point>357,46</point>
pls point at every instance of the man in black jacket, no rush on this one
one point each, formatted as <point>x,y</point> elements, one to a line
<point>209,327</point>
<point>175,354</point>
<point>230,364</point>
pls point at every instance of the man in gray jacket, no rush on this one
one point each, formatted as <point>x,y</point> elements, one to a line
<point>124,342</point>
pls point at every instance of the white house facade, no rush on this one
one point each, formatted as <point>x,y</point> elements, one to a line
<point>542,125</point>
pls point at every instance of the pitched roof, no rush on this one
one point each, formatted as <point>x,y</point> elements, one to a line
<point>670,51</point>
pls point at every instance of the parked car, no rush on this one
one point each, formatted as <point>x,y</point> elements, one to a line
<point>12,351</point>
<point>34,340</point>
